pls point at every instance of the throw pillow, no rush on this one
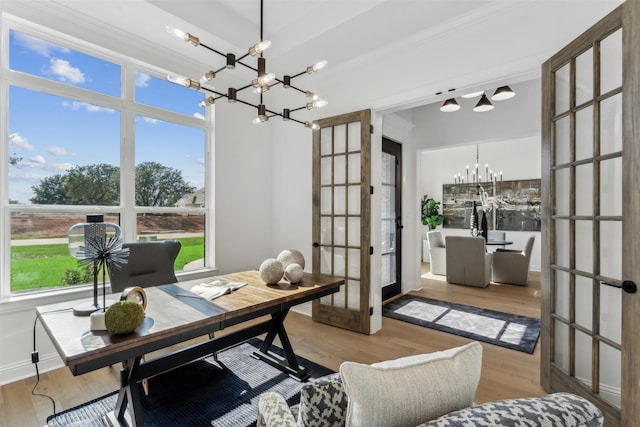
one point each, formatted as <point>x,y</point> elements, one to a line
<point>411,390</point>
<point>323,403</point>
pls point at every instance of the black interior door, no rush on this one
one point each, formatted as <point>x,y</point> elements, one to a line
<point>391,216</point>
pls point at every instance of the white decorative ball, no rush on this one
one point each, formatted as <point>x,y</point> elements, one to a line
<point>271,271</point>
<point>291,256</point>
<point>293,273</point>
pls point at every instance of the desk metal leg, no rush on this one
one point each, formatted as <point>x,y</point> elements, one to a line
<point>290,362</point>
<point>129,395</point>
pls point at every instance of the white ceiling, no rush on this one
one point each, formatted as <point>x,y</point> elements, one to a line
<point>382,53</point>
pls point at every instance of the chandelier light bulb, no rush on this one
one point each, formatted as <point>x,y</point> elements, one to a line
<point>208,76</point>
<point>311,95</point>
<point>183,81</point>
<point>317,104</point>
<point>186,37</point>
<point>312,125</point>
<point>258,48</point>
<point>210,100</point>
<point>316,67</point>
<point>266,79</point>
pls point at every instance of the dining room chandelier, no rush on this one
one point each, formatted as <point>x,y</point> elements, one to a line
<point>476,177</point>
<point>262,83</point>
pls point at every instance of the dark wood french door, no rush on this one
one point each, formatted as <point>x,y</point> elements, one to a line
<point>391,216</point>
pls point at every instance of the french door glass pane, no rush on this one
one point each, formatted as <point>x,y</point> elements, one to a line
<point>353,290</point>
<point>562,242</point>
<point>339,139</point>
<point>325,171</point>
<point>611,62</point>
<point>388,235</point>
<point>353,161</point>
<point>563,189</point>
<point>584,246</point>
<point>339,231</point>
<point>562,141</point>
<point>611,124</point>
<point>339,169</point>
<point>610,374</point>
<point>354,263</point>
<point>584,302</point>
<point>325,261</point>
<point>325,141</point>
<point>562,294</point>
<point>339,262</point>
<point>325,201</point>
<point>562,89</point>
<point>561,345</point>
<point>354,136</point>
<point>611,187</point>
<point>325,230</point>
<point>584,77</point>
<point>354,200</point>
<point>584,189</point>
<point>353,232</point>
<point>584,133</point>
<point>611,313</point>
<point>611,249</point>
<point>339,207</point>
<point>584,357</point>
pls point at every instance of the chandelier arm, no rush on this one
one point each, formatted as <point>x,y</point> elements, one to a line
<point>243,88</point>
<point>298,109</point>
<point>213,50</point>
<point>246,65</point>
<point>299,74</point>
<point>220,95</point>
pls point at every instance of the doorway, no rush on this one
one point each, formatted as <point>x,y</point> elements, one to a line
<point>391,216</point>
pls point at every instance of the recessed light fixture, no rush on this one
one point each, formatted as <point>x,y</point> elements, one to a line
<point>483,105</point>
<point>502,93</point>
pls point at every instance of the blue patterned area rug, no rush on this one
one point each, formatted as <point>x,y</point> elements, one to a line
<point>506,330</point>
<point>202,393</point>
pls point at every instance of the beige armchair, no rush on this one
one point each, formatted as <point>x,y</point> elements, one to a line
<point>437,253</point>
<point>468,263</point>
<point>512,266</point>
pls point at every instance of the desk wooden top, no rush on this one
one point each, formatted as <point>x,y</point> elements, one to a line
<point>174,315</point>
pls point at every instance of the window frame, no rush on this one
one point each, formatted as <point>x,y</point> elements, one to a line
<point>128,109</point>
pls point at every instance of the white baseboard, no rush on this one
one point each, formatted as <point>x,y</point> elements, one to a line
<point>19,371</point>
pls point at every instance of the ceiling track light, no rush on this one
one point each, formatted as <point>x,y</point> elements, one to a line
<point>262,83</point>
<point>450,105</point>
<point>502,93</point>
<point>483,105</point>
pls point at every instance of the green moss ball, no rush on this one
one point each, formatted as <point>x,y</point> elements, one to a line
<point>123,317</point>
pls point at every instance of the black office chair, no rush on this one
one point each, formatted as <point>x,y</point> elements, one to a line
<point>148,264</point>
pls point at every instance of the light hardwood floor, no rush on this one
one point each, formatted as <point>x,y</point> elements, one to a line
<point>505,373</point>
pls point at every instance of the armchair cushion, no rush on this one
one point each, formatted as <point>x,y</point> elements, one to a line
<point>387,393</point>
<point>323,403</point>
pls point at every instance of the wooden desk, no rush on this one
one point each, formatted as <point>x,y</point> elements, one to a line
<point>175,315</point>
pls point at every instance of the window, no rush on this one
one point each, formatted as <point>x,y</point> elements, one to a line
<point>79,143</point>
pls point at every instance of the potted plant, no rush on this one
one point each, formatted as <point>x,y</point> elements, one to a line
<point>430,215</point>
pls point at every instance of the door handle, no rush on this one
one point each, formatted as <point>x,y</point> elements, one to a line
<point>316,244</point>
<point>629,286</point>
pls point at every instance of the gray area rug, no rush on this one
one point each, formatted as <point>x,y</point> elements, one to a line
<point>503,329</point>
<point>203,393</point>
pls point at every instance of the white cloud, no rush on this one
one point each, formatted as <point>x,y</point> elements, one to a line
<point>200,160</point>
<point>150,120</point>
<point>58,151</point>
<point>198,116</point>
<point>90,108</point>
<point>65,72</point>
<point>17,140</point>
<point>142,79</point>
<point>41,47</point>
<point>39,159</point>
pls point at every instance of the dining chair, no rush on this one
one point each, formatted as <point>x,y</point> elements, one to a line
<point>437,253</point>
<point>468,263</point>
<point>511,265</point>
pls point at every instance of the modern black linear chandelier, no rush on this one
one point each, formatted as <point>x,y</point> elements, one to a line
<point>262,83</point>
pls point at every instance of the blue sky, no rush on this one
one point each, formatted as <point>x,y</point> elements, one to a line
<point>53,134</point>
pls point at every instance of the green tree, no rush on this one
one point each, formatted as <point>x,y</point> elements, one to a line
<point>156,185</point>
<point>93,185</point>
<point>159,185</point>
<point>51,191</point>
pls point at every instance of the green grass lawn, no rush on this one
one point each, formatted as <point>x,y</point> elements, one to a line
<point>44,266</point>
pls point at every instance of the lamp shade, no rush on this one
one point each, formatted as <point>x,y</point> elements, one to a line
<point>450,105</point>
<point>502,93</point>
<point>483,105</point>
